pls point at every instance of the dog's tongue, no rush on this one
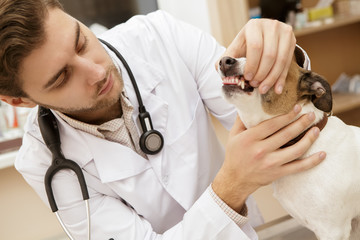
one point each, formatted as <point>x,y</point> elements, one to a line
<point>234,80</point>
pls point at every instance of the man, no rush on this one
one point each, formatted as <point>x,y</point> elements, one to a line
<point>190,189</point>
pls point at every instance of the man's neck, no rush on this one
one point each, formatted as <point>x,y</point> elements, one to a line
<point>99,116</point>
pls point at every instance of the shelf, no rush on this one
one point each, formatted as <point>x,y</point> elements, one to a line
<point>338,21</point>
<point>345,102</point>
<point>7,159</point>
<point>8,151</point>
<point>284,228</point>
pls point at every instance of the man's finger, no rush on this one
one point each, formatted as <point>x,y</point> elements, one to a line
<point>303,164</point>
<point>254,51</point>
<point>237,128</point>
<point>299,148</point>
<point>291,131</point>
<point>269,127</point>
<point>236,49</point>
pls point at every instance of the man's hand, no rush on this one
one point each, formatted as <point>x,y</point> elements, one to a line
<point>254,158</point>
<point>268,46</point>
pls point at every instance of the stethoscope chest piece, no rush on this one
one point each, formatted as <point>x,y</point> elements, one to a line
<point>151,142</point>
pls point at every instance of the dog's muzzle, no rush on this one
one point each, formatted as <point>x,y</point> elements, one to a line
<point>231,71</point>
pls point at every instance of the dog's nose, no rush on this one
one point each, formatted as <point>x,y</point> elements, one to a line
<point>226,63</point>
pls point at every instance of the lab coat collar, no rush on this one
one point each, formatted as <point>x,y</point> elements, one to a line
<point>73,143</point>
<point>113,160</point>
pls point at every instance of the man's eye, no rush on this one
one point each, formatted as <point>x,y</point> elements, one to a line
<point>82,46</point>
<point>62,79</point>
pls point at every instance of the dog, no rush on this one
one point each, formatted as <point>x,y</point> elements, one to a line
<point>326,198</point>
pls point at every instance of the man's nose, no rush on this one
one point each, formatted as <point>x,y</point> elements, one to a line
<point>94,72</point>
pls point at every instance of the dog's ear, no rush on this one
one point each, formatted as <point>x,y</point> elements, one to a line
<point>299,56</point>
<point>317,89</point>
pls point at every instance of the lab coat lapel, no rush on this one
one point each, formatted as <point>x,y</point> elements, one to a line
<point>115,161</point>
<point>122,162</point>
<point>73,144</point>
<point>147,77</point>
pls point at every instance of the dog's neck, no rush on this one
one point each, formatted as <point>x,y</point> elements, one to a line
<point>251,112</point>
<point>250,119</point>
<point>321,124</point>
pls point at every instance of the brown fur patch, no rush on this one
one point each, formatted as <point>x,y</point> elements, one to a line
<point>275,104</point>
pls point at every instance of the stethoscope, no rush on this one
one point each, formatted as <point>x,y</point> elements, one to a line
<point>151,142</point>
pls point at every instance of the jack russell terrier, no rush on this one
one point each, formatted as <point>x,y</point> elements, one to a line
<point>326,198</point>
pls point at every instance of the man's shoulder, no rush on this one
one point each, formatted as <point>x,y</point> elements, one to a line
<point>32,146</point>
<point>140,26</point>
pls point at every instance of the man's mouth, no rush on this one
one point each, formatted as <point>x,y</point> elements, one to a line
<point>238,81</point>
<point>106,87</point>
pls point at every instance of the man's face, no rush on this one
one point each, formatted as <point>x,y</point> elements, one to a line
<point>71,72</point>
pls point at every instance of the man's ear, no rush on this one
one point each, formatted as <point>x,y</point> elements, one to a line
<point>317,89</point>
<point>18,101</point>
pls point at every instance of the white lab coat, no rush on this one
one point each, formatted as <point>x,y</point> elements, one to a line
<point>173,64</point>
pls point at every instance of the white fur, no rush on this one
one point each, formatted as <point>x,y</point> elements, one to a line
<point>251,111</point>
<point>326,198</point>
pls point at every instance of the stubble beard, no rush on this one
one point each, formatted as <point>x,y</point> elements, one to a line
<point>99,104</point>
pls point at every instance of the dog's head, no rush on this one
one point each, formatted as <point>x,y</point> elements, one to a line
<point>303,87</point>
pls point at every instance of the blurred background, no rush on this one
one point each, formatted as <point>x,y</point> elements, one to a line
<point>328,30</point>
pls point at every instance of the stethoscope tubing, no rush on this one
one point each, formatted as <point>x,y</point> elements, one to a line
<point>50,133</point>
<point>51,136</point>
<point>131,75</point>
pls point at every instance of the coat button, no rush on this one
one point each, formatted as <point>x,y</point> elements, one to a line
<point>165,179</point>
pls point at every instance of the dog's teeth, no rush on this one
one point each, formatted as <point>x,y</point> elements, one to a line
<point>232,80</point>
<point>241,84</point>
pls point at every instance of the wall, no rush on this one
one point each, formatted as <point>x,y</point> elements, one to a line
<point>146,6</point>
<point>190,11</point>
<point>23,214</point>
<point>334,51</point>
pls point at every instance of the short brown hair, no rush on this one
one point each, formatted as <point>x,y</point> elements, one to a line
<point>21,31</point>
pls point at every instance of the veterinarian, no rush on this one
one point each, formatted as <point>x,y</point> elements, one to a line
<point>187,188</point>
